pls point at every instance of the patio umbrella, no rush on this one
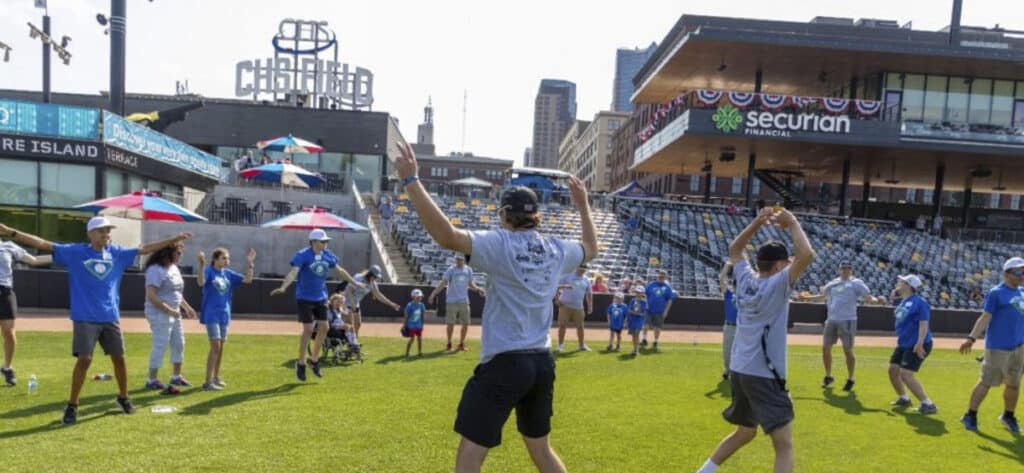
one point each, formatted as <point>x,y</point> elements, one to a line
<point>289,144</point>
<point>141,205</point>
<point>286,174</point>
<point>312,218</point>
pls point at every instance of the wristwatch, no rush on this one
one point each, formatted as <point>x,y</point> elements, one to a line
<point>972,339</point>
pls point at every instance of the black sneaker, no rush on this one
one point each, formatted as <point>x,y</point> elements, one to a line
<point>901,402</point>
<point>643,342</point>
<point>827,382</point>
<point>315,366</point>
<point>300,371</point>
<point>126,405</point>
<point>725,376</point>
<point>848,386</point>
<point>70,415</point>
<point>655,346</point>
<point>9,376</point>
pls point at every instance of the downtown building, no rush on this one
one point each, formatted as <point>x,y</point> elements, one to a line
<point>554,111</point>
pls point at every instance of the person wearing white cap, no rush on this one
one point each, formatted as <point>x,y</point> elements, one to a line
<point>414,311</point>
<point>458,280</point>
<point>310,268</point>
<point>1002,323</point>
<point>913,343</point>
<point>354,294</point>
<point>9,253</point>
<point>94,281</point>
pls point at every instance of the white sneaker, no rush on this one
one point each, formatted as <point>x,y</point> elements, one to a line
<point>584,347</point>
<point>561,346</point>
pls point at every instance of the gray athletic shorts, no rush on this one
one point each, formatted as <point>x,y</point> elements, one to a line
<point>85,335</point>
<point>758,401</point>
<point>844,330</point>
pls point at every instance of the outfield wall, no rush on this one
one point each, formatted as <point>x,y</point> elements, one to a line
<point>49,289</point>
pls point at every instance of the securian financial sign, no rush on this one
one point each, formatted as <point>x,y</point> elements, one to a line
<point>780,125</point>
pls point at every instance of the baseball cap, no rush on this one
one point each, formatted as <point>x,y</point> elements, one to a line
<point>460,256</point>
<point>1015,262</point>
<point>845,265</point>
<point>375,271</point>
<point>97,223</point>
<point>417,293</point>
<point>640,290</point>
<point>318,235</point>
<point>519,199</point>
<point>583,266</point>
<point>912,280</point>
<point>772,251</point>
<point>619,295</point>
<point>662,271</point>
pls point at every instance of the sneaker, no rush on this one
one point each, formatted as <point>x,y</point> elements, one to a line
<point>300,371</point>
<point>609,348</point>
<point>315,366</point>
<point>617,348</point>
<point>220,383</point>
<point>155,385</point>
<point>170,391</point>
<point>927,409</point>
<point>971,423</point>
<point>654,346</point>
<point>725,376</point>
<point>636,353</point>
<point>584,347</point>
<point>827,382</point>
<point>448,347</point>
<point>211,387</point>
<point>561,346</point>
<point>462,347</point>
<point>1010,422</point>
<point>126,405</point>
<point>9,376</point>
<point>70,415</point>
<point>901,402</point>
<point>180,381</point>
<point>848,386</point>
<point>643,342</point>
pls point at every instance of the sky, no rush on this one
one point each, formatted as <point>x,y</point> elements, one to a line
<point>495,53</point>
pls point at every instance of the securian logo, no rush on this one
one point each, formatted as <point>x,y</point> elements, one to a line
<point>727,118</point>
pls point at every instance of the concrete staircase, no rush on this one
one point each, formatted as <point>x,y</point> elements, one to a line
<point>405,272</point>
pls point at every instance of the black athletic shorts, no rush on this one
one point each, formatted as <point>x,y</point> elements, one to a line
<point>8,304</point>
<point>758,401</point>
<point>906,358</point>
<point>310,311</point>
<point>524,381</point>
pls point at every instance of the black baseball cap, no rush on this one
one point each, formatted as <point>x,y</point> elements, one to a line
<point>520,199</point>
<point>772,251</point>
<point>845,265</point>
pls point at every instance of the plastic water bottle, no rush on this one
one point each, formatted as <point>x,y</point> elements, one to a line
<point>694,340</point>
<point>33,384</point>
<point>163,409</point>
<point>102,377</point>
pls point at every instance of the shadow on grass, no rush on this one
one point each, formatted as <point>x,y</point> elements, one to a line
<point>722,390</point>
<point>412,357</point>
<point>204,408</point>
<point>1014,447</point>
<point>87,404</point>
<point>850,404</point>
<point>922,424</point>
<point>56,424</point>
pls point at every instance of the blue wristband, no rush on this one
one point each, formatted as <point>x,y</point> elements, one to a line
<point>409,180</point>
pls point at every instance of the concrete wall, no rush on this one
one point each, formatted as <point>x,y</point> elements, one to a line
<point>341,204</point>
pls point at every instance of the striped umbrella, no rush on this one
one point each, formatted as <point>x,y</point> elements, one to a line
<point>287,174</point>
<point>289,144</point>
<point>312,218</point>
<point>141,205</point>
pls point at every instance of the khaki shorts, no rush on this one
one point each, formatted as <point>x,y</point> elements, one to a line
<point>569,315</point>
<point>457,313</point>
<point>845,330</point>
<point>1002,366</point>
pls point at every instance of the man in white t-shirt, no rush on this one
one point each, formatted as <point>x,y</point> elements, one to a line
<point>9,254</point>
<point>516,370</point>
<point>757,367</point>
<point>458,280</point>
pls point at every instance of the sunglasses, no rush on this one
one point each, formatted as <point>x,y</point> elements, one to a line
<point>1017,272</point>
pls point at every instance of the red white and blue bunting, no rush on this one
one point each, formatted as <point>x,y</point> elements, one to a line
<point>708,97</point>
<point>805,101</point>
<point>868,107</point>
<point>834,105</point>
<point>741,99</point>
<point>773,101</point>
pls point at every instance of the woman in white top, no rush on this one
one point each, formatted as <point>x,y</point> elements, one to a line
<point>9,253</point>
<point>165,307</point>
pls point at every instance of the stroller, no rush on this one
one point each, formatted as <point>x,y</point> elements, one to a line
<point>339,346</point>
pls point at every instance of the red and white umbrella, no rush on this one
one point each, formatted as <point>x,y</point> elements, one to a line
<point>314,217</point>
<point>141,205</point>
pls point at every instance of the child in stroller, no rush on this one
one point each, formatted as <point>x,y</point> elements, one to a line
<point>341,343</point>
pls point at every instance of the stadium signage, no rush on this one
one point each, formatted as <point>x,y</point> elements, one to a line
<point>48,147</point>
<point>781,125</point>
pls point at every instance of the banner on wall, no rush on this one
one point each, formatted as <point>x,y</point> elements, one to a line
<point>43,119</point>
<point>151,144</point>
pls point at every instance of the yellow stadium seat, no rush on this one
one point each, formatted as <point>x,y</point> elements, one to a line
<point>456,221</point>
<point>828,245</point>
<point>402,209</point>
<point>702,238</point>
<point>403,196</point>
<point>485,218</point>
<point>881,265</point>
<point>475,202</point>
<point>654,261</point>
<point>718,233</point>
<point>492,207</point>
<point>460,205</point>
<point>666,217</point>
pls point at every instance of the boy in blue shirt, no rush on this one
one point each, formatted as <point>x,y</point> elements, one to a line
<point>414,322</point>
<point>310,268</point>
<point>913,343</point>
<point>219,282</point>
<point>637,316</point>
<point>1001,322</point>
<point>616,319</point>
<point>94,282</point>
<point>659,300</point>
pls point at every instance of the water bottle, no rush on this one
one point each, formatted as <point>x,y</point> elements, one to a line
<point>694,340</point>
<point>33,384</point>
<point>102,377</point>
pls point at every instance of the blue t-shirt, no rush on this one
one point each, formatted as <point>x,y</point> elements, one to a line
<point>414,314</point>
<point>909,313</point>
<point>217,292</point>
<point>638,307</point>
<point>311,285</point>
<point>387,210</point>
<point>731,310</point>
<point>616,315</point>
<point>94,279</point>
<point>658,295</point>
<point>1006,305</point>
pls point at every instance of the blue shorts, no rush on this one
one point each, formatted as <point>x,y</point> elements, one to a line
<point>217,331</point>
<point>635,322</point>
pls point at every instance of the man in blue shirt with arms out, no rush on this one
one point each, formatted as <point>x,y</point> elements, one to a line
<point>757,368</point>
<point>913,343</point>
<point>1002,322</point>
<point>94,281</point>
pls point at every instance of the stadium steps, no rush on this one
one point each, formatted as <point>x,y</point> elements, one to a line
<point>771,178</point>
<point>403,270</point>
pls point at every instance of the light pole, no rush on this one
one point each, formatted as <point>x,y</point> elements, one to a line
<point>48,43</point>
<point>118,24</point>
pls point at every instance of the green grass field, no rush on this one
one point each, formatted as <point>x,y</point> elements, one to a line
<point>612,414</point>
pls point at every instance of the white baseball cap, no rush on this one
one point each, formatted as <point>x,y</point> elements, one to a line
<point>417,293</point>
<point>640,290</point>
<point>619,295</point>
<point>98,222</point>
<point>1015,262</point>
<point>912,280</point>
<point>318,235</point>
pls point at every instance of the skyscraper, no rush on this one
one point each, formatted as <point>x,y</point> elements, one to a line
<point>554,111</point>
<point>627,63</point>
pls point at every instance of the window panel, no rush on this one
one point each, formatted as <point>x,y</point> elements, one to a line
<point>935,99</point>
<point>956,102</point>
<point>67,185</point>
<point>913,97</point>
<point>1002,103</point>
<point>981,102</point>
<point>19,182</point>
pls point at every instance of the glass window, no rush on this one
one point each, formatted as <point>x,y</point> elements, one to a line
<point>366,172</point>
<point>114,183</point>
<point>694,183</point>
<point>1020,89</point>
<point>935,99</point>
<point>913,97</point>
<point>20,218</point>
<point>135,183</point>
<point>19,182</point>
<point>330,163</point>
<point>927,195</point>
<point>714,184</point>
<point>1002,103</point>
<point>1015,201</point>
<point>911,195</point>
<point>310,161</point>
<point>981,101</point>
<point>893,81</point>
<point>993,201</point>
<point>737,185</point>
<point>63,225</point>
<point>67,185</point>
<point>956,101</point>
<point>756,188</point>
